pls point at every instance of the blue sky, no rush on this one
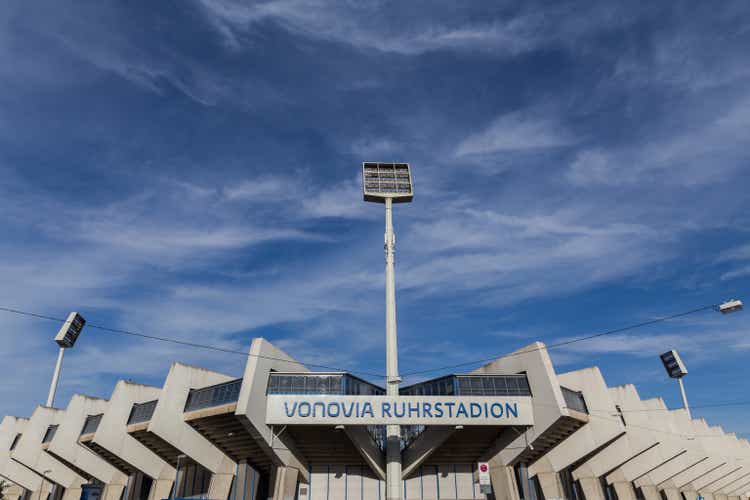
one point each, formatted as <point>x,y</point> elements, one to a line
<point>190,169</point>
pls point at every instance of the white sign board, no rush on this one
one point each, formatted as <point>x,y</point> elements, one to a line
<point>484,473</point>
<point>483,470</point>
<point>401,410</point>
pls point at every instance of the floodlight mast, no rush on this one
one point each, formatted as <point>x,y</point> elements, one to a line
<point>65,338</point>
<point>388,183</point>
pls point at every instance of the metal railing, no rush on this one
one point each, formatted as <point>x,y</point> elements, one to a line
<point>91,424</point>
<point>321,383</point>
<point>50,434</point>
<point>471,385</point>
<point>215,395</point>
<point>142,412</point>
<point>574,400</point>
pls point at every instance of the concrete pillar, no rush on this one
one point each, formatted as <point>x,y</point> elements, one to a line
<point>160,489</point>
<point>592,488</point>
<point>245,484</point>
<point>285,483</point>
<point>672,494</point>
<point>12,492</point>
<point>624,490</point>
<point>551,487</point>
<point>503,482</point>
<point>72,494</point>
<point>113,491</point>
<point>220,487</point>
<point>690,494</point>
<point>650,492</point>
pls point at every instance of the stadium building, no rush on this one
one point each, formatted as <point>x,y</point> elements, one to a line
<point>513,429</point>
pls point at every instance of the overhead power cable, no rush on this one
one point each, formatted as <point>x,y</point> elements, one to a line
<point>563,343</point>
<point>185,343</point>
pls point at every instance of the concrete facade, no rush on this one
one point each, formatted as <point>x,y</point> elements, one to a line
<point>169,436</point>
<point>109,439</point>
<point>30,453</point>
<point>205,435</point>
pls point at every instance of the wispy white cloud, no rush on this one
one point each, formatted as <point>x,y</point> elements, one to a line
<point>366,25</point>
<point>518,131</point>
<point>681,157</point>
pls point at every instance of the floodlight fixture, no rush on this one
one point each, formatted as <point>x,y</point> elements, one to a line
<point>70,330</point>
<point>65,338</point>
<point>673,364</point>
<point>730,306</point>
<point>676,369</point>
<point>381,181</point>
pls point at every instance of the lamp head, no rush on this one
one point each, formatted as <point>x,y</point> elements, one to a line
<point>387,180</point>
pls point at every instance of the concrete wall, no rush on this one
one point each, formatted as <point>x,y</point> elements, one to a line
<point>168,424</point>
<point>65,443</point>
<point>112,435</point>
<point>29,451</point>
<point>251,405</point>
<point>357,482</point>
<point>548,401</point>
<point>10,427</point>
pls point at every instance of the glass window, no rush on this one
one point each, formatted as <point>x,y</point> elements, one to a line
<point>489,386</point>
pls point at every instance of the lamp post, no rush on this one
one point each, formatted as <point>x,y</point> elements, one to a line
<point>676,369</point>
<point>389,183</point>
<point>65,338</point>
<point>673,363</point>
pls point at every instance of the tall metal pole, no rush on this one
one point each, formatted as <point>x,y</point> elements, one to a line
<point>393,432</point>
<point>684,397</point>
<point>55,377</point>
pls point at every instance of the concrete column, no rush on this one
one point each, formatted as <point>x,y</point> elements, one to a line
<point>551,486</point>
<point>113,491</point>
<point>650,492</point>
<point>13,492</point>
<point>72,494</point>
<point>503,482</point>
<point>690,494</point>
<point>285,483</point>
<point>592,488</point>
<point>160,489</point>
<point>624,490</point>
<point>672,494</point>
<point>245,484</point>
<point>220,487</point>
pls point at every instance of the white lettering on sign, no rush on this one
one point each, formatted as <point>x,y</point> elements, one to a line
<point>405,410</point>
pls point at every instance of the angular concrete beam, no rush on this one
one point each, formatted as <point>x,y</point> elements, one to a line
<point>29,450</point>
<point>427,442</point>
<point>251,405</point>
<point>11,428</point>
<point>553,420</point>
<point>168,435</point>
<point>371,454</point>
<point>112,442</point>
<point>590,440</point>
<point>66,448</point>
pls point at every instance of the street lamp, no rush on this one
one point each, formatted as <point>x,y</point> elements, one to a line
<point>676,369</point>
<point>730,306</point>
<point>389,183</point>
<point>65,338</point>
